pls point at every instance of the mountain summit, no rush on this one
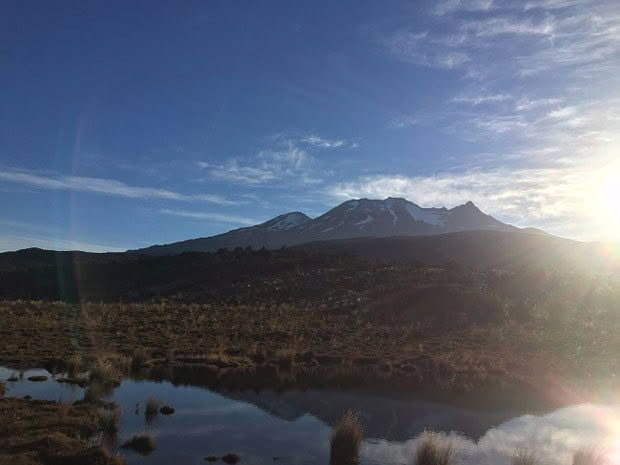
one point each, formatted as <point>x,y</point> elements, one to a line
<point>353,218</point>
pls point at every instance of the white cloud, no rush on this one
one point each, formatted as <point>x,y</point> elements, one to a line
<point>545,196</point>
<point>562,113</point>
<point>323,143</point>
<point>480,99</point>
<point>217,217</point>
<point>448,6</point>
<point>106,187</point>
<point>525,104</point>
<point>507,25</point>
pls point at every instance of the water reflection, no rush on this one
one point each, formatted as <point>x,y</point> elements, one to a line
<point>294,426</point>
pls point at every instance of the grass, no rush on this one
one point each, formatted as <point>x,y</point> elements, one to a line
<point>73,364</point>
<point>37,378</point>
<point>431,326</point>
<point>433,449</point>
<point>2,389</point>
<point>152,406</point>
<point>37,432</point>
<point>345,440</point>
<point>523,456</point>
<point>142,443</point>
<point>109,421</point>
<point>589,456</point>
<point>138,359</point>
<point>104,371</point>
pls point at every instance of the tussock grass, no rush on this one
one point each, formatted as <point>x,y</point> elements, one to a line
<point>109,421</point>
<point>104,371</point>
<point>152,406</point>
<point>142,443</point>
<point>433,449</point>
<point>2,389</point>
<point>589,456</point>
<point>345,440</point>
<point>523,456</point>
<point>73,364</point>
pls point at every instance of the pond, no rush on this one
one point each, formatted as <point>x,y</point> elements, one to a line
<point>293,427</point>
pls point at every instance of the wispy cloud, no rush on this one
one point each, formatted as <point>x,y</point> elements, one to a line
<point>449,6</point>
<point>318,141</point>
<point>289,160</point>
<point>414,48</point>
<point>217,217</point>
<point>106,187</point>
<point>480,99</point>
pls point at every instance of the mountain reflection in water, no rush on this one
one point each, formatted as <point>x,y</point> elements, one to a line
<point>294,425</point>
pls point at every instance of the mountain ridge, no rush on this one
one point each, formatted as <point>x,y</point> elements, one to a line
<point>351,219</point>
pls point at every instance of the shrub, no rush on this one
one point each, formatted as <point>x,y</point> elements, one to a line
<point>345,440</point>
<point>142,443</point>
<point>433,449</point>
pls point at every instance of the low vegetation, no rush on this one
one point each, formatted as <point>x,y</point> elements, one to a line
<point>303,314</point>
<point>152,406</point>
<point>34,432</point>
<point>433,449</point>
<point>142,443</point>
<point>345,440</point>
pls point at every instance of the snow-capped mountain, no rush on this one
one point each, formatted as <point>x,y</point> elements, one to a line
<point>354,218</point>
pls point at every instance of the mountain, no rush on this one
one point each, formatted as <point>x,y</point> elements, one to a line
<point>351,219</point>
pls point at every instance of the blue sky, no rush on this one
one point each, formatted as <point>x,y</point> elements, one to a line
<point>124,124</point>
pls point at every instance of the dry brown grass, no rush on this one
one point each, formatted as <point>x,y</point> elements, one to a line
<point>296,340</point>
<point>345,440</point>
<point>433,449</point>
<point>37,432</point>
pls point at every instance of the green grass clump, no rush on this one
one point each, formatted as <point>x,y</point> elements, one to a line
<point>142,443</point>
<point>345,440</point>
<point>433,450</point>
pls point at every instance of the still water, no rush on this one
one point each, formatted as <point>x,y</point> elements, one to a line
<point>293,427</point>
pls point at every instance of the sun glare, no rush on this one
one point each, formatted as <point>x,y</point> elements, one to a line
<point>604,206</point>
